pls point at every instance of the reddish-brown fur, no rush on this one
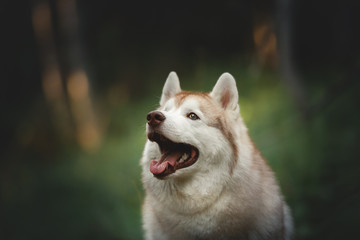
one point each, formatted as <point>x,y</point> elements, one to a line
<point>181,96</point>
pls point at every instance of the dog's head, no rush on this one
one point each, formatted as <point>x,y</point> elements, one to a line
<point>191,130</point>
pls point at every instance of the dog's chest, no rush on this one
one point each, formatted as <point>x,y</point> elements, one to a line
<point>197,226</point>
<point>210,224</point>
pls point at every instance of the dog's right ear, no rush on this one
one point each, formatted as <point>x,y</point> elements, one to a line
<point>171,87</point>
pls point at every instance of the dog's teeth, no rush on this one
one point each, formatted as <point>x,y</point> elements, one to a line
<point>183,158</point>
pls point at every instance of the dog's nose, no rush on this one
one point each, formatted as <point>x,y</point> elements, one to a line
<point>155,118</point>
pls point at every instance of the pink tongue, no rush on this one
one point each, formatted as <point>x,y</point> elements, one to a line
<point>159,167</point>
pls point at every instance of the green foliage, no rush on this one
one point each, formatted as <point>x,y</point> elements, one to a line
<point>77,195</point>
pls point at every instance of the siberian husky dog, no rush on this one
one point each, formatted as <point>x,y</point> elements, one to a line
<point>202,174</point>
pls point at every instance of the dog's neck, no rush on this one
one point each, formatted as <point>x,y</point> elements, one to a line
<point>190,194</point>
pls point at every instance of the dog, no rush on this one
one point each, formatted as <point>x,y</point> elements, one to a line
<point>202,174</point>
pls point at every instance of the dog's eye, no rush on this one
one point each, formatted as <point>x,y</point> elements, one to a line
<point>193,116</point>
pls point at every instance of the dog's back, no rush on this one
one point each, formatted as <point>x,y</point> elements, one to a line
<point>203,176</point>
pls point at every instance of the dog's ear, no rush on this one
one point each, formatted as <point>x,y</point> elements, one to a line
<point>225,92</point>
<point>171,87</point>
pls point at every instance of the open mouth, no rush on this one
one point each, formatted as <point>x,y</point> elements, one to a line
<point>174,156</point>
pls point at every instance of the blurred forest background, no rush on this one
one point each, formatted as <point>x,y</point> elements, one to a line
<point>79,77</point>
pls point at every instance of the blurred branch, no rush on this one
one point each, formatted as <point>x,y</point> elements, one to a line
<point>66,83</point>
<point>77,82</point>
<point>290,76</point>
<point>51,78</point>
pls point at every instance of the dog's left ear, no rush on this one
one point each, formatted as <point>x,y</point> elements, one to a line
<point>171,87</point>
<point>225,92</point>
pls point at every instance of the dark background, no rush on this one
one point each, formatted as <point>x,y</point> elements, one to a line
<point>78,77</point>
